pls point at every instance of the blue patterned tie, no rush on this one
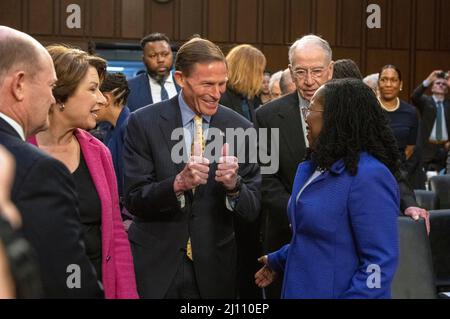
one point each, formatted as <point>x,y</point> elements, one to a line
<point>164,94</point>
<point>439,121</point>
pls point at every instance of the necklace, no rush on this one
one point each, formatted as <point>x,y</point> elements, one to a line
<point>390,109</point>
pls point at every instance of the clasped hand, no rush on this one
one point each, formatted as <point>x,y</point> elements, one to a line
<point>196,171</point>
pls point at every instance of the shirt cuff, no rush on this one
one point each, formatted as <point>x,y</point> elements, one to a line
<point>426,83</point>
<point>231,202</point>
<point>181,200</point>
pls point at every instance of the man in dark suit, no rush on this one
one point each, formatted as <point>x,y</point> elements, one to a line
<point>43,189</point>
<point>157,84</point>
<point>311,66</point>
<point>182,237</point>
<point>435,115</point>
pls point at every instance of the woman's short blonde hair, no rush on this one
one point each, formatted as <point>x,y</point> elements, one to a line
<point>246,66</point>
<point>71,66</point>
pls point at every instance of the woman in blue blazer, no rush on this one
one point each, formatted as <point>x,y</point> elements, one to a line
<point>344,204</point>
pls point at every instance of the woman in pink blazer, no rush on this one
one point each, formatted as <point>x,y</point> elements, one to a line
<point>78,100</point>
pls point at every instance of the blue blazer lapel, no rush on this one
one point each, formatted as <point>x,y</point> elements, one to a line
<point>171,120</point>
<point>145,91</point>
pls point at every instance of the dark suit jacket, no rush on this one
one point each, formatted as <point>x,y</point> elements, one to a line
<point>44,193</point>
<point>140,93</point>
<point>233,100</point>
<point>427,109</point>
<point>284,114</point>
<point>161,228</point>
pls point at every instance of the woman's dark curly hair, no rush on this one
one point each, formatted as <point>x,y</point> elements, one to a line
<point>353,122</point>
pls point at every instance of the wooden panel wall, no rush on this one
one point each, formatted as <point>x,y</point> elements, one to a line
<point>414,33</point>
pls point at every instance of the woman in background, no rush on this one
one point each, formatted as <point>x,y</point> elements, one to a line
<point>246,66</point>
<point>264,95</point>
<point>403,118</point>
<point>115,111</point>
<point>78,97</point>
<point>344,204</point>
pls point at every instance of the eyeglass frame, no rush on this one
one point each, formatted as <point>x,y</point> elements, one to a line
<point>309,71</point>
<point>306,110</point>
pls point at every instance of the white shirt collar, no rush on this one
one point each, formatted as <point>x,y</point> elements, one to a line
<point>16,126</point>
<point>169,79</point>
<point>436,99</point>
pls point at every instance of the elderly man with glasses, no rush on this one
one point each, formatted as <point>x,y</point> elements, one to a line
<point>310,63</point>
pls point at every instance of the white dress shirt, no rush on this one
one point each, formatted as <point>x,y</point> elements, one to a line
<point>16,126</point>
<point>155,88</point>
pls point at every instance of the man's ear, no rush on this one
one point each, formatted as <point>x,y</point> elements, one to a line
<point>109,98</point>
<point>331,71</point>
<point>291,70</point>
<point>18,85</point>
<point>179,78</point>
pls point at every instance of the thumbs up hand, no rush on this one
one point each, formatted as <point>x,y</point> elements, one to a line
<point>227,170</point>
<point>195,172</point>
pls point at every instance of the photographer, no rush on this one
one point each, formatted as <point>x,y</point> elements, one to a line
<point>435,114</point>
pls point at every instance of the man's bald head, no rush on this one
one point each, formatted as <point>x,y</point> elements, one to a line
<point>27,77</point>
<point>19,51</point>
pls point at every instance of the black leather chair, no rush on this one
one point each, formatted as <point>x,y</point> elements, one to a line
<point>426,199</point>
<point>441,186</point>
<point>440,247</point>
<point>414,278</point>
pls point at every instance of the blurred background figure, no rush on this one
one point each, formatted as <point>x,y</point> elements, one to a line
<point>78,100</point>
<point>19,272</point>
<point>287,86</point>
<point>264,95</point>
<point>157,84</point>
<point>372,81</point>
<point>246,66</point>
<point>274,85</point>
<point>115,111</point>
<point>7,170</point>
<point>402,116</point>
<point>434,111</point>
<point>346,68</point>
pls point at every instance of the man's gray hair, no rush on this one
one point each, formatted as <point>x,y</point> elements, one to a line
<point>312,40</point>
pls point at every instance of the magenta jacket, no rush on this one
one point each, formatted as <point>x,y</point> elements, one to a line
<point>119,280</point>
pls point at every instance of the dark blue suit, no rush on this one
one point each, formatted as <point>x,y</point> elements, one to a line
<point>114,140</point>
<point>341,225</point>
<point>140,93</point>
<point>44,193</point>
<point>161,227</point>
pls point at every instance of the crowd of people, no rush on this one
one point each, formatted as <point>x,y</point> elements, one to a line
<point>95,205</point>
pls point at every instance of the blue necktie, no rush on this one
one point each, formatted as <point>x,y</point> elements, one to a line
<point>439,121</point>
<point>164,94</point>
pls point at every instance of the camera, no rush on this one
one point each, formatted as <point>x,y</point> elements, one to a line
<point>443,75</point>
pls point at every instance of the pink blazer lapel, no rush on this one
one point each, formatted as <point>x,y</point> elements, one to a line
<point>93,155</point>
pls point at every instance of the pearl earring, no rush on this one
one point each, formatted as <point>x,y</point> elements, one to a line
<point>61,107</point>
